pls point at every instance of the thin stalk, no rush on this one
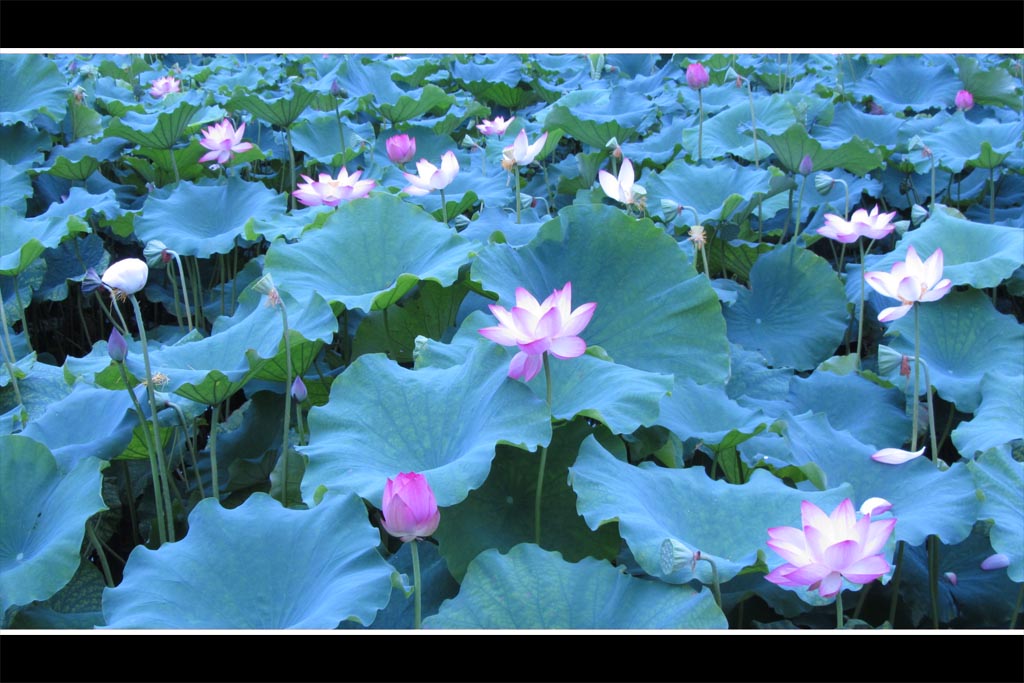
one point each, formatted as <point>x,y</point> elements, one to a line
<point>716,589</point>
<point>214,424</point>
<point>298,424</point>
<point>416,589</point>
<point>700,124</point>
<point>917,375</point>
<point>839,609</point>
<point>190,445</point>
<point>132,513</point>
<point>184,291</point>
<point>156,422</point>
<point>341,134</point>
<point>895,583</point>
<point>444,204</point>
<point>992,195</point>
<point>21,308</point>
<point>860,319</point>
<point>287,406</point>
<point>933,182</point>
<point>95,543</point>
<point>197,290</point>
<point>1016,607</point>
<point>223,280</point>
<point>933,577</point>
<point>291,165</point>
<point>946,430</point>
<point>234,277</point>
<point>931,418</point>
<point>519,199</point>
<point>753,128</point>
<point>8,353</point>
<point>154,465</point>
<point>799,209</point>
<point>862,599</point>
<point>789,215</point>
<point>543,458</point>
<point>177,297</point>
<point>116,322</point>
<point>174,165</point>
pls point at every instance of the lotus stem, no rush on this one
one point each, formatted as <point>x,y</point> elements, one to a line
<point>184,291</point>
<point>862,599</point>
<point>291,165</point>
<point>860,318</point>
<point>716,589</point>
<point>174,165</point>
<point>287,405</point>
<point>444,204</point>
<point>839,609</point>
<point>132,513</point>
<point>190,445</point>
<point>416,585</point>
<point>992,195</point>
<point>933,182</point>
<point>154,464</point>
<point>700,124</point>
<point>519,199</point>
<point>895,583</point>
<point>933,577</point>
<point>753,128</point>
<point>917,375</point>
<point>197,290</point>
<point>799,209</point>
<point>104,565</point>
<point>1016,607</point>
<point>543,458</point>
<point>215,475</point>
<point>298,424</point>
<point>21,309</point>
<point>341,134</point>
<point>9,359</point>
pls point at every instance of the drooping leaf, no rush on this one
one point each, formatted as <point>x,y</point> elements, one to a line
<point>908,82</point>
<point>533,588</point>
<point>958,142</point>
<point>281,111</point>
<point>1000,479</point>
<point>257,566</point>
<point>714,191</point>
<point>22,240</point>
<point>32,86</point>
<point>999,418</point>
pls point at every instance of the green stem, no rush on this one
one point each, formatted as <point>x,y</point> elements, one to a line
<point>95,543</point>
<point>444,205</point>
<point>299,426</point>
<point>416,588</point>
<point>933,182</point>
<point>519,200</point>
<point>177,297</point>
<point>197,291</point>
<point>839,609</point>
<point>862,599</point>
<point>214,423</point>
<point>1016,607</point>
<point>799,208</point>
<point>184,292</point>
<point>341,133</point>
<point>931,418</point>
<point>753,128</point>
<point>157,443</point>
<point>917,374</point>
<point>132,512</point>
<point>933,577</point>
<point>223,280</point>
<point>190,445</point>
<point>291,165</point>
<point>895,583</point>
<point>9,359</point>
<point>700,124</point>
<point>21,308</point>
<point>287,406</point>
<point>543,458</point>
<point>860,318</point>
<point>174,165</point>
<point>716,588</point>
<point>992,195</point>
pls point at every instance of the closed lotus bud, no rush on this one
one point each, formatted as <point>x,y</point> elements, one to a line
<point>156,252</point>
<point>337,90</point>
<point>917,214</point>
<point>400,148</point>
<point>675,555</point>
<point>697,76</point>
<point>409,508</point>
<point>875,506</point>
<point>824,183</point>
<point>670,209</point>
<point>127,276</point>
<point>299,392</point>
<point>964,100</point>
<point>117,347</point>
<point>806,165</point>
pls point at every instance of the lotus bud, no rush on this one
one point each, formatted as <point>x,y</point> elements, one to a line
<point>915,143</point>
<point>400,148</point>
<point>697,76</point>
<point>824,183</point>
<point>409,508</point>
<point>117,347</point>
<point>670,209</point>
<point>337,90</point>
<point>299,392</point>
<point>917,214</point>
<point>596,65</point>
<point>875,109</point>
<point>964,100</point>
<point>156,252</point>
<point>265,285</point>
<point>127,276</point>
<point>806,165</point>
<point>675,555</point>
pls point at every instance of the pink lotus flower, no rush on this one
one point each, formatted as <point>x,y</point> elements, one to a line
<point>401,148</point>
<point>328,191</point>
<point>896,456</point>
<point>521,152</point>
<point>697,76</point>
<point>125,277</point>
<point>224,142</point>
<point>829,549</point>
<point>621,189</point>
<point>964,100</point>
<point>165,86</point>
<point>910,281</point>
<point>537,328</point>
<point>409,507</point>
<point>431,177</point>
<point>861,224</point>
<point>496,127</point>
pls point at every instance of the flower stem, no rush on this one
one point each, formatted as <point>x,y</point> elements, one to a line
<point>444,206</point>
<point>519,199</point>
<point>104,565</point>
<point>154,465</point>
<point>860,319</point>
<point>992,195</point>
<point>933,577</point>
<point>1016,607</point>
<point>753,128</point>
<point>895,583</point>
<point>700,124</point>
<point>799,209</point>
<point>214,425</point>
<point>416,587</point>
<point>174,165</point>
<point>839,609</point>
<point>184,290</point>
<point>9,361</point>
<point>21,309</point>
<point>341,132</point>
<point>917,374</point>
<point>933,182</point>
<point>543,459</point>
<point>716,589</point>
<point>189,444</point>
<point>287,406</point>
<point>291,157</point>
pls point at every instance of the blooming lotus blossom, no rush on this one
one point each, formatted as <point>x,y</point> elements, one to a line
<point>830,548</point>
<point>409,507</point>
<point>521,152</point>
<point>165,86</point>
<point>401,148</point>
<point>910,281</point>
<point>861,224</point>
<point>993,562</point>
<point>430,177</point>
<point>537,328</point>
<point>330,191</point>
<point>224,142</point>
<point>964,100</point>
<point>697,76</point>
<point>125,277</point>
<point>496,127</point>
<point>621,189</point>
<point>896,456</point>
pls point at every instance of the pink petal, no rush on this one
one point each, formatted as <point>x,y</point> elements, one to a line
<point>532,367</point>
<point>875,506</point>
<point>896,456</point>
<point>940,290</point>
<point>839,555</point>
<point>567,347</point>
<point>894,313</point>
<point>579,319</point>
<point>867,569</point>
<point>878,536</point>
<point>997,561</point>
<point>831,585</point>
<point>499,335</point>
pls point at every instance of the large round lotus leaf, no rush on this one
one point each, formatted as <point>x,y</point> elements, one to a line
<point>282,111</point>
<point>377,249</point>
<point>15,186</point>
<point>500,513</point>
<point>962,338</point>
<point>382,419</point>
<point>87,422</point>
<point>257,566</point>
<point>849,122</point>
<point>959,142</point>
<point>714,191</point>
<point>533,588</point>
<point>22,240</point>
<point>32,85</point>
<point>725,522</point>
<point>239,347</point>
<point>729,131</point>
<point>42,519</point>
<point>794,313</point>
<point>201,220</point>
<point>160,130</point>
<point>1000,479</point>
<point>794,144</point>
<point>925,500</point>
<point>650,301</point>
<point>973,254</point>
<point>999,418</point>
<point>908,81</point>
<point>706,413</point>
<point>596,116</point>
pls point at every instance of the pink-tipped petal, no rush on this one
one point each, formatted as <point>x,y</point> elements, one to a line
<point>896,456</point>
<point>887,315</point>
<point>567,347</point>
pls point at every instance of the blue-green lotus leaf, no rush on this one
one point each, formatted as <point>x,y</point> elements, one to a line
<point>596,116</point>
<point>32,86</point>
<point>850,122</point>
<point>730,133</point>
<point>371,81</point>
<point>15,186</point>
<point>320,139</point>
<point>158,129</point>
<point>976,254</point>
<point>21,144</point>
<point>382,419</point>
<point>908,82</point>
<point>714,191</point>
<point>534,588</point>
<point>495,81</point>
<point>1000,479</point>
<point>659,147</point>
<point>43,510</point>
<point>707,413</point>
<point>795,312</point>
<point>289,226</point>
<point>958,141</point>
<point>87,422</point>
<point>500,513</point>
<point>258,566</point>
<point>75,606</point>
<point>378,248</point>
<point>22,240</point>
<point>239,348</point>
<point>281,111</point>
<point>925,500</point>
<point>43,384</point>
<point>726,522</point>
<point>993,86</point>
<point>999,418</point>
<point>856,156</point>
<point>415,103</point>
<point>962,338</point>
<point>80,203</point>
<point>66,263</point>
<point>650,301</point>
<point>200,220</point>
